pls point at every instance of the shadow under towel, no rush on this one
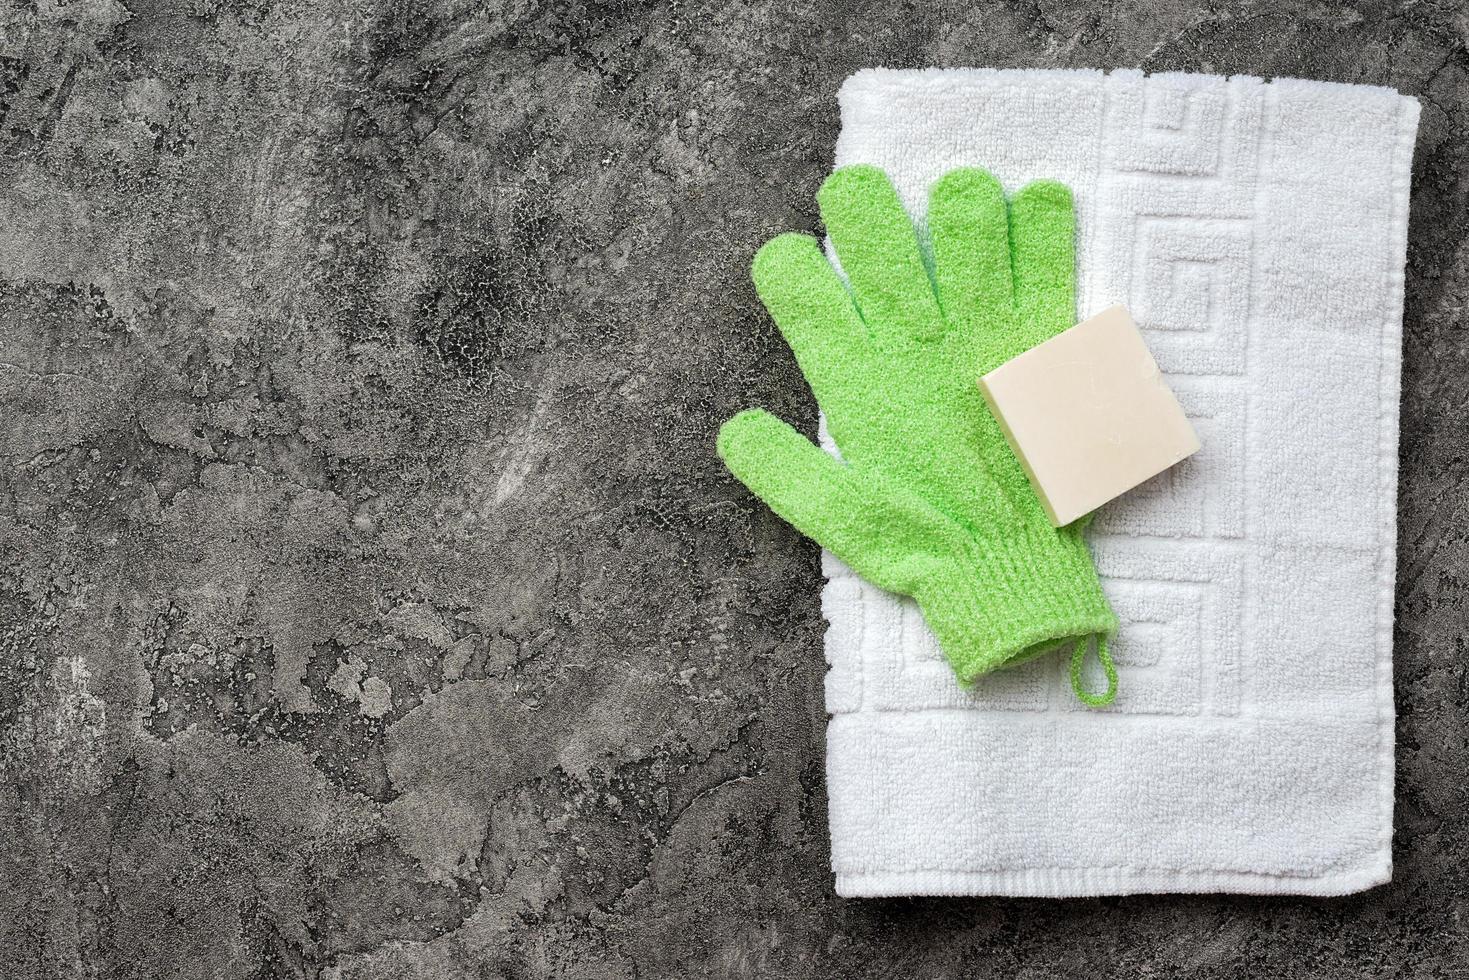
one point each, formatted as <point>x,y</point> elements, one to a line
<point>1257,233</point>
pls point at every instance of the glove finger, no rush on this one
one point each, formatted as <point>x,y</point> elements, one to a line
<point>878,250</point>
<point>1043,252</point>
<point>969,228</point>
<point>887,537</point>
<point>811,306</point>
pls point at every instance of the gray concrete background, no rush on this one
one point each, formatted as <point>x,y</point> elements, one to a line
<point>372,604</point>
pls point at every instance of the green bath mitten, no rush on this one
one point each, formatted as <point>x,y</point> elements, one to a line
<point>927,499</point>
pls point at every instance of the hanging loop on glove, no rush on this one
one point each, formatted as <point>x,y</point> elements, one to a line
<point>1078,655</point>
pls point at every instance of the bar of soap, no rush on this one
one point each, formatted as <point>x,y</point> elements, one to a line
<point>1089,415</point>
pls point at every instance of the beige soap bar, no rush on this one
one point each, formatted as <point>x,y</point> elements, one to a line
<point>1089,415</point>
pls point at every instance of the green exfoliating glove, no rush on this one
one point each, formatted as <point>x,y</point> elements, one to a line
<point>927,499</point>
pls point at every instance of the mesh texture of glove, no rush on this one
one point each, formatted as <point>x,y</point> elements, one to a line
<point>927,499</point>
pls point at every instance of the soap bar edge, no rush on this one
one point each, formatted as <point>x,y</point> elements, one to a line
<point>1030,476</point>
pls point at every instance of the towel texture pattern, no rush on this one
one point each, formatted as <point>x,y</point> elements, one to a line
<point>1257,232</point>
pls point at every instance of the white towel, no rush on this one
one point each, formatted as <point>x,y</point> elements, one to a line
<point>1257,232</point>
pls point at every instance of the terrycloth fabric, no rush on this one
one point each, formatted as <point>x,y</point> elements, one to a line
<point>928,500</point>
<point>1257,232</point>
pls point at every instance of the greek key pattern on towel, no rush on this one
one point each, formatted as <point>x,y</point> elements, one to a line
<point>1175,219</point>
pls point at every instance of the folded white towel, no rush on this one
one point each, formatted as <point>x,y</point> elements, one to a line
<point>1257,233</point>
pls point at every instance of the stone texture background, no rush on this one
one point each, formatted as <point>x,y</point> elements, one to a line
<point>372,605</point>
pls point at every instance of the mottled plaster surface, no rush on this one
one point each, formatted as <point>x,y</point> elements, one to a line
<point>371,604</point>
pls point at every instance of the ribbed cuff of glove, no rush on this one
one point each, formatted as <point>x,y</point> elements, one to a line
<point>1020,598</point>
